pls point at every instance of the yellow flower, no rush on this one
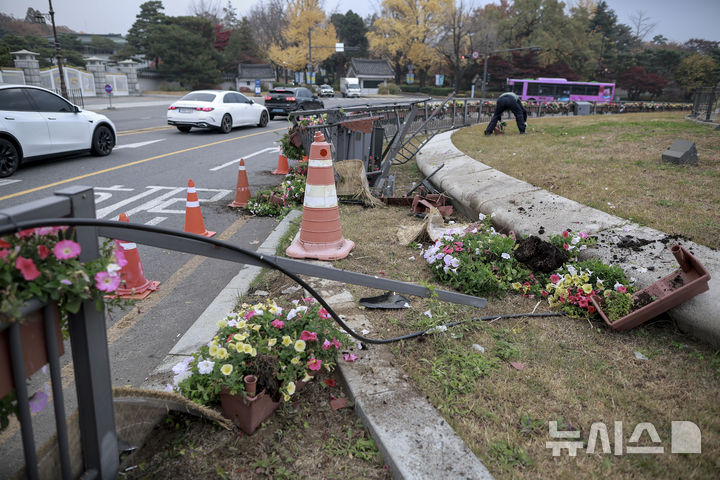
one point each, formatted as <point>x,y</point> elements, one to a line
<point>222,324</point>
<point>286,340</point>
<point>213,350</point>
<point>253,352</point>
<point>291,388</point>
<point>585,277</point>
<point>517,285</point>
<point>299,345</point>
<point>286,397</point>
<point>607,293</point>
<point>239,337</point>
<point>256,328</point>
<point>241,324</point>
<point>222,353</point>
<point>247,348</point>
<point>587,288</point>
<point>272,342</point>
<point>226,369</point>
<point>231,347</point>
<point>307,377</point>
<point>295,360</point>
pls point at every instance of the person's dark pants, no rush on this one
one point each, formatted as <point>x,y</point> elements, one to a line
<point>503,104</point>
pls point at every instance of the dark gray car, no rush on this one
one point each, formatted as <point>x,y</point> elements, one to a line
<point>282,101</point>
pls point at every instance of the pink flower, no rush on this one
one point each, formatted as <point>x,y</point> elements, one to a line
<point>277,323</point>
<point>249,314</point>
<point>554,278</point>
<point>3,243</point>
<point>65,281</point>
<point>565,233</point>
<point>119,254</point>
<point>43,251</point>
<point>350,357</point>
<point>336,342</point>
<point>29,232</point>
<point>27,267</point>
<point>306,336</point>
<point>308,300</point>
<point>314,364</point>
<point>4,253</point>
<point>326,344</point>
<point>66,249</point>
<point>105,283</point>
<point>566,246</point>
<point>622,289</point>
<point>330,382</point>
<point>322,313</point>
<point>583,235</point>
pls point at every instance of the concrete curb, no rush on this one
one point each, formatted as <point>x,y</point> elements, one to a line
<point>414,440</point>
<point>526,209</point>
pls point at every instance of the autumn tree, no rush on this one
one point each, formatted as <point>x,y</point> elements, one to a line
<point>352,32</point>
<point>696,71</point>
<point>637,80</point>
<point>406,33</point>
<point>454,42</point>
<point>306,26</point>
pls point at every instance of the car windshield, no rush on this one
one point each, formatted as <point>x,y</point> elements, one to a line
<point>199,97</point>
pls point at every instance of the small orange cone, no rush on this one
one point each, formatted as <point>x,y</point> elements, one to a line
<point>193,216</point>
<point>242,191</point>
<point>320,234</point>
<point>283,168</point>
<point>133,283</point>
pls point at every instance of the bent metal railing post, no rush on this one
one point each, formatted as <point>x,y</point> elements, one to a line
<point>88,338</point>
<point>76,207</point>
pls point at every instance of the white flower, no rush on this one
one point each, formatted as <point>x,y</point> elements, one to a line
<point>411,258</point>
<point>582,247</point>
<point>113,268</point>
<point>492,215</point>
<point>572,270</point>
<point>205,367</point>
<point>428,313</point>
<point>481,217</point>
<point>291,314</point>
<point>439,328</point>
<point>169,388</point>
<point>181,376</point>
<point>505,255</point>
<point>182,366</point>
<point>575,240</point>
<point>617,285</point>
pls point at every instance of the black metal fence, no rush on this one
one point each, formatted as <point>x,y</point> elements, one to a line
<point>74,96</point>
<point>705,104</point>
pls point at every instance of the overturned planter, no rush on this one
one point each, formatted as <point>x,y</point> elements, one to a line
<point>670,291</point>
<point>245,411</point>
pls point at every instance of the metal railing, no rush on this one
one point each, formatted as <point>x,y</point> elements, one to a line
<point>705,103</point>
<point>75,207</point>
<point>74,96</point>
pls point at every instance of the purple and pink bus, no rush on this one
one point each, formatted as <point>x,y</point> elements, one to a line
<point>561,90</point>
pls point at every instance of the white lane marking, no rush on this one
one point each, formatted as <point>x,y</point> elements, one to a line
<point>156,220</point>
<point>111,208</point>
<point>234,162</point>
<point>116,188</point>
<point>163,207</point>
<point>8,182</point>
<point>138,144</point>
<point>101,196</point>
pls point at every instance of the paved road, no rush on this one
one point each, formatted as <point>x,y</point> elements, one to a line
<point>146,177</point>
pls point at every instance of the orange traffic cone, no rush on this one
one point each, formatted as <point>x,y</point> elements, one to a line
<point>242,190</point>
<point>193,216</point>
<point>283,168</point>
<point>320,235</point>
<point>133,283</point>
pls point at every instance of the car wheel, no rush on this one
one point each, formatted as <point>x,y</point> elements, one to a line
<point>103,141</point>
<point>184,128</point>
<point>226,124</point>
<point>263,119</point>
<point>9,158</point>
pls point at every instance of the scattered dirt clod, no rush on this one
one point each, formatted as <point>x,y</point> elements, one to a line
<point>540,255</point>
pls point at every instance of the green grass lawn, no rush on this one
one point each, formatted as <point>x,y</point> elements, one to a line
<point>613,163</point>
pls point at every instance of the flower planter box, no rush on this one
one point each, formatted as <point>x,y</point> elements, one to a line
<point>247,412</point>
<point>680,286</point>
<point>34,348</point>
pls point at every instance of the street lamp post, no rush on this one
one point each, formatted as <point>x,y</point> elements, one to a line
<point>58,53</point>
<point>487,54</point>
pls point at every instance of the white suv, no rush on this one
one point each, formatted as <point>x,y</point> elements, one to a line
<point>37,123</point>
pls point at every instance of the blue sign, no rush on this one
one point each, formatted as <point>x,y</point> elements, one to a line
<point>108,88</point>
<point>257,87</point>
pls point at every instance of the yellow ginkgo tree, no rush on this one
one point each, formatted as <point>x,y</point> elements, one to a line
<point>407,32</point>
<point>308,26</point>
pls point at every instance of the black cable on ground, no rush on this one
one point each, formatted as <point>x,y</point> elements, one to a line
<point>91,222</point>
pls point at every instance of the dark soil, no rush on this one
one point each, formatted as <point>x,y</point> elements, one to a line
<point>677,282</point>
<point>635,244</point>
<point>539,255</point>
<point>642,300</point>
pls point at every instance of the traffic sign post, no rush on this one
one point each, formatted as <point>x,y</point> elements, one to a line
<point>108,90</point>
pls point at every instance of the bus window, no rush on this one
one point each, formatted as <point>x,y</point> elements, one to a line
<point>533,89</point>
<point>578,90</point>
<point>517,88</point>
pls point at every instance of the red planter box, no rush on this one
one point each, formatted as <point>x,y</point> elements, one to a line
<point>680,286</point>
<point>34,347</point>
